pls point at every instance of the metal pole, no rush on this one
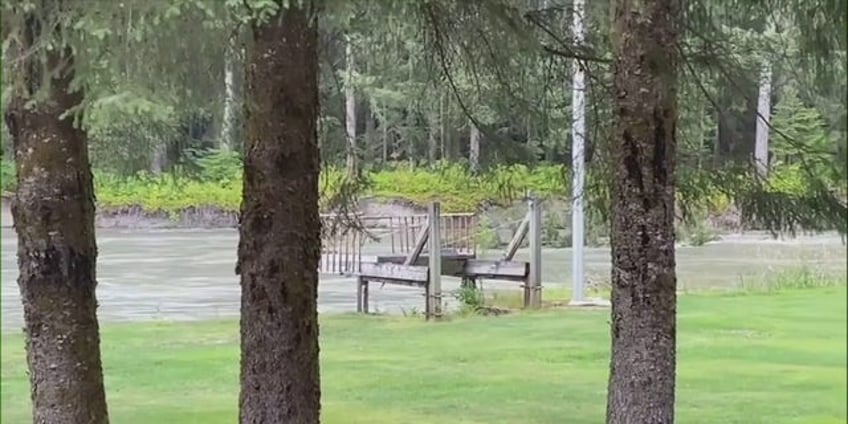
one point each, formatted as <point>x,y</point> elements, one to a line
<point>534,280</point>
<point>578,132</point>
<point>435,256</point>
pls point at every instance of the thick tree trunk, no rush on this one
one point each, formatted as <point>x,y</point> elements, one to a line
<point>279,231</point>
<point>53,213</point>
<point>642,369</point>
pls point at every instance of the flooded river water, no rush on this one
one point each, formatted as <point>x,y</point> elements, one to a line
<point>189,274</point>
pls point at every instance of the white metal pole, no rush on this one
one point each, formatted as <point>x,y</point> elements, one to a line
<point>578,132</point>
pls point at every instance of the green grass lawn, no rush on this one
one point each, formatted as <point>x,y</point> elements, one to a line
<point>756,358</point>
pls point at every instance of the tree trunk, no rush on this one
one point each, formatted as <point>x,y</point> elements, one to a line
<point>370,130</point>
<point>433,138</point>
<point>227,139</point>
<point>385,138</point>
<point>279,232</point>
<point>642,368</point>
<point>578,158</point>
<point>350,112</point>
<point>159,162</point>
<point>761,145</point>
<point>443,133</point>
<point>53,213</point>
<point>473,147</point>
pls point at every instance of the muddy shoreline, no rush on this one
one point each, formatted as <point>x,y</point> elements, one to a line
<point>212,217</point>
<point>204,217</point>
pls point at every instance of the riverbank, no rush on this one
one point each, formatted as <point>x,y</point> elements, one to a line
<point>203,217</point>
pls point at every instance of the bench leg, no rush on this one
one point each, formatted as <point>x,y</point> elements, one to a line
<point>359,285</point>
<point>365,296</point>
<point>428,303</point>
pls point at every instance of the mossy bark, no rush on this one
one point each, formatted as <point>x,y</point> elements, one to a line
<point>642,370</point>
<point>53,214</point>
<point>279,232</point>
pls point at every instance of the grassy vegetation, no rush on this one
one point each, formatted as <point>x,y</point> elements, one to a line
<point>759,358</point>
<point>215,181</point>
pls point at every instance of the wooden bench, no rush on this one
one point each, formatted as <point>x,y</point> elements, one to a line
<point>408,275</point>
<point>502,270</point>
<point>497,270</point>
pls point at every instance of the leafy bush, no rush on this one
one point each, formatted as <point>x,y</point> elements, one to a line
<point>471,299</point>
<point>487,237</point>
<point>166,193</point>
<point>461,191</point>
<point>696,233</point>
<point>220,166</point>
<point>217,182</point>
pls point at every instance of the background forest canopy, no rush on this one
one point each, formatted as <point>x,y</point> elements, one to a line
<point>466,101</point>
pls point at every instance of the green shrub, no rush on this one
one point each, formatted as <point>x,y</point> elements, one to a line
<point>216,181</point>
<point>696,233</point>
<point>487,237</point>
<point>471,299</point>
<point>220,166</point>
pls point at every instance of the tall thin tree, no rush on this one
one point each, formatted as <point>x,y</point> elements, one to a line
<point>53,213</point>
<point>350,110</point>
<point>279,232</point>
<point>642,370</point>
<point>761,142</point>
<point>473,146</point>
<point>227,138</point>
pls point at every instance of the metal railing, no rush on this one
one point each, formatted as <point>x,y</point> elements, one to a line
<point>345,242</point>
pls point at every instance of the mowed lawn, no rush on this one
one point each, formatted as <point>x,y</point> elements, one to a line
<point>756,358</point>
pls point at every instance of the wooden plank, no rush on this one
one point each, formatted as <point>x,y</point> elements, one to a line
<point>512,270</point>
<point>421,241</point>
<point>447,254</point>
<point>517,239</point>
<point>416,284</point>
<point>390,271</point>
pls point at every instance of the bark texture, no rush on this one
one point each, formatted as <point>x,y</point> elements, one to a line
<point>433,131</point>
<point>642,369</point>
<point>279,243</point>
<point>473,147</point>
<point>350,111</point>
<point>53,213</point>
